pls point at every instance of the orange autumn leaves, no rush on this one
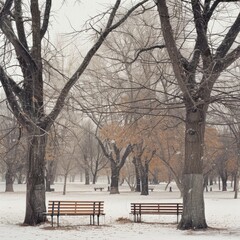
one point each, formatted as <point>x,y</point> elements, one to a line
<point>165,137</point>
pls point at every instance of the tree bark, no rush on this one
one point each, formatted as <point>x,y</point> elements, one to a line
<point>49,175</point>
<point>87,176</point>
<point>224,177</point>
<point>193,204</point>
<point>236,185</point>
<point>94,177</point>
<point>237,175</point>
<point>65,184</point>
<point>9,177</point>
<point>138,179</point>
<point>35,199</point>
<point>144,179</point>
<point>193,184</point>
<point>114,186</point>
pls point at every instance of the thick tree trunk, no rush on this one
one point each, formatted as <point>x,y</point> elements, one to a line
<point>9,177</point>
<point>193,211</point>
<point>35,199</point>
<point>114,189</point>
<point>193,202</point>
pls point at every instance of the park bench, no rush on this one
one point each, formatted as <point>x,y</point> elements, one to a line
<point>98,188</point>
<point>76,208</point>
<point>139,209</point>
<point>150,189</point>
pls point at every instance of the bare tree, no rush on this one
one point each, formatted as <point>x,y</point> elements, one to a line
<point>196,75</point>
<point>13,149</point>
<point>94,159</point>
<point>27,98</point>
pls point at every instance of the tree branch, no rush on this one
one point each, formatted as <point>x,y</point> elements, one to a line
<point>201,27</point>
<point>60,101</point>
<point>6,83</point>
<point>19,23</point>
<point>174,54</point>
<point>231,57</point>
<point>229,39</point>
<point>46,18</point>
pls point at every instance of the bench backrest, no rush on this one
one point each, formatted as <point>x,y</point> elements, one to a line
<point>160,208</point>
<point>76,207</point>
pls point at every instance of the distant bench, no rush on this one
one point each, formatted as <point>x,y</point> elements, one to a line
<point>98,188</point>
<point>76,208</point>
<point>139,209</point>
<point>150,189</point>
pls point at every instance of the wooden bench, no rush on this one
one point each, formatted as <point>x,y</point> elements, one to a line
<point>76,208</point>
<point>150,189</point>
<point>98,188</point>
<point>139,209</point>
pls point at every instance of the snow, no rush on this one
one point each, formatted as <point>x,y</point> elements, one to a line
<point>222,214</point>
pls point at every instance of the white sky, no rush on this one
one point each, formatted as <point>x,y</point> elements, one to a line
<point>76,13</point>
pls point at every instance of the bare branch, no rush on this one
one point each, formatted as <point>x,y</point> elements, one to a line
<point>60,102</point>
<point>46,18</point>
<point>229,39</point>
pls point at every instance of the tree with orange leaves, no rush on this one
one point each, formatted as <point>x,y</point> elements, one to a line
<point>116,147</point>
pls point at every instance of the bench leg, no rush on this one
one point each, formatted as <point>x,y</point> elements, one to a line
<point>137,217</point>
<point>92,219</point>
<point>52,220</point>
<point>58,220</point>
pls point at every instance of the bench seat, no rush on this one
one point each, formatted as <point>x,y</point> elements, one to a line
<point>139,209</point>
<point>76,208</point>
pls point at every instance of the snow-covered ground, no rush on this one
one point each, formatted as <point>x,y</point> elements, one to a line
<point>222,214</point>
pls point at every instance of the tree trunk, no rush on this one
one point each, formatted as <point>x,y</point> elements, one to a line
<point>206,182</point>
<point>87,176</point>
<point>48,184</point>
<point>236,185</point>
<point>35,197</point>
<point>94,178</point>
<point>9,177</point>
<point>49,175</point>
<point>114,179</point>
<point>144,179</point>
<point>237,175</point>
<point>138,179</point>
<point>224,180</point>
<point>65,184</point>
<point>193,202</point>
